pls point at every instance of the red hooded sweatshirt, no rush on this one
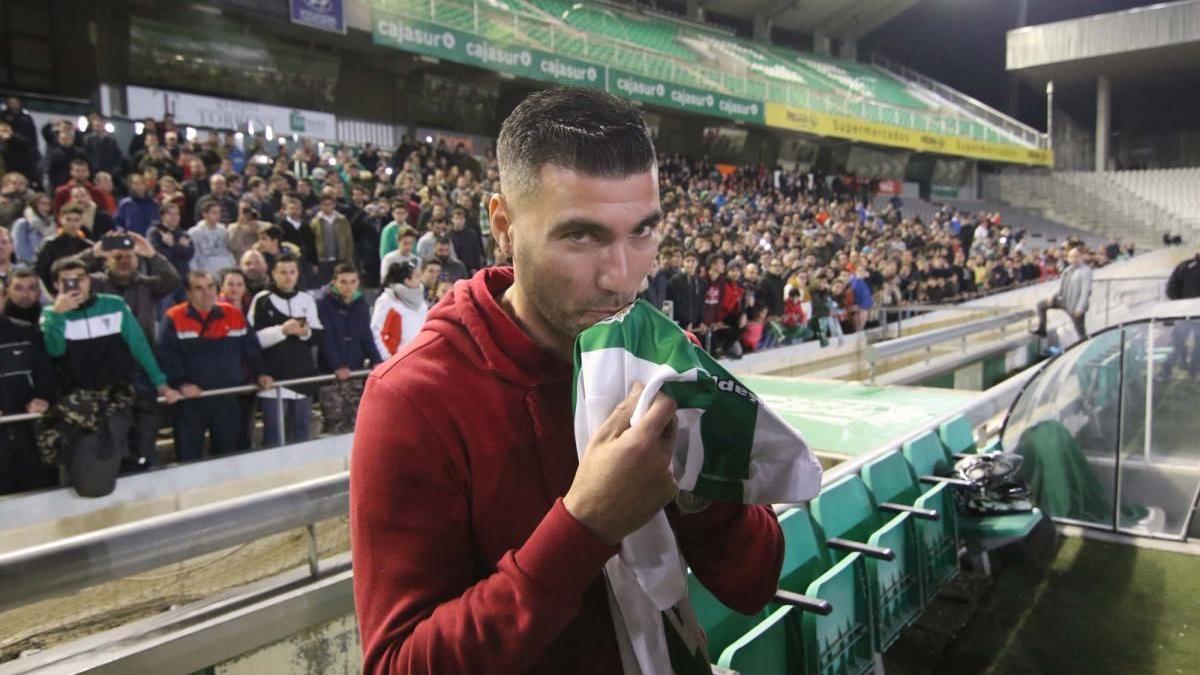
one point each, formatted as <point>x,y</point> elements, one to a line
<point>465,560</point>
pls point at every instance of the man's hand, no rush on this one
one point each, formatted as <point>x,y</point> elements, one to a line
<point>184,240</point>
<point>141,246</point>
<point>168,239</point>
<point>65,302</point>
<point>625,475</point>
<point>98,250</point>
<point>265,382</point>
<point>37,406</point>
<point>1078,315</point>
<point>171,395</point>
<point>293,327</point>
<point>190,390</point>
<point>342,373</point>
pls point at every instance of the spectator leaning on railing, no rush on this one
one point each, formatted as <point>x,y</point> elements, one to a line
<point>98,346</point>
<point>288,327</point>
<point>346,345</point>
<point>206,344</point>
<point>26,386</point>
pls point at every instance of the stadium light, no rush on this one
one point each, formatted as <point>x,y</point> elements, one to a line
<point>190,133</point>
<point>250,127</point>
<point>82,123</point>
<point>388,170</point>
<point>108,126</point>
<point>239,135</point>
<point>332,161</point>
<point>270,133</point>
<point>138,128</point>
<point>283,140</point>
<point>429,139</point>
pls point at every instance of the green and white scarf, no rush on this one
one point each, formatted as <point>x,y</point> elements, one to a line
<point>729,447</point>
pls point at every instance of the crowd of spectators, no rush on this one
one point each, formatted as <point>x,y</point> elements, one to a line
<point>176,266</point>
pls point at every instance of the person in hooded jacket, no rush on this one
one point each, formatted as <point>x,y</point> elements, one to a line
<point>288,325</point>
<point>400,309</point>
<point>479,536</point>
<point>346,345</point>
<point>27,380</point>
<point>34,227</point>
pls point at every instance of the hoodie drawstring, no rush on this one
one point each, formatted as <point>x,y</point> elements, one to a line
<point>531,403</point>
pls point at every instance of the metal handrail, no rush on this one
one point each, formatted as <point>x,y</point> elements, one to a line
<point>224,391</point>
<point>883,350</point>
<point>85,560</point>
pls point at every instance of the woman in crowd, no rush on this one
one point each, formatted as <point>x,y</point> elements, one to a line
<point>399,310</point>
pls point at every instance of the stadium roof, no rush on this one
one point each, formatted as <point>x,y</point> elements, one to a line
<point>1137,43</point>
<point>836,18</point>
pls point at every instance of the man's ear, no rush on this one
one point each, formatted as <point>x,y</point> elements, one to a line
<point>500,219</point>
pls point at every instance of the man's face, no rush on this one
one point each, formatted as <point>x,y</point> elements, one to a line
<point>1073,256</point>
<point>582,244</point>
<point>172,139</point>
<point>689,264</point>
<point>255,266</point>
<point>202,293</point>
<point>80,195</point>
<point>458,221</point>
<point>430,274</point>
<point>170,218</point>
<point>137,185</point>
<point>15,183</point>
<point>400,214</point>
<point>438,227</point>
<point>233,286</point>
<point>293,209</point>
<point>285,275</point>
<point>121,265</point>
<point>212,215</point>
<point>327,206</point>
<point>266,243</point>
<point>346,284</point>
<point>24,292</point>
<point>442,251</point>
<point>70,222</point>
<point>6,245</point>
<point>406,244</point>
<point>66,137</point>
<point>84,281</point>
<point>217,184</point>
<point>79,172</point>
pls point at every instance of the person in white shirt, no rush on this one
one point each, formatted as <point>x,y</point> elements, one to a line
<point>210,239</point>
<point>399,310</point>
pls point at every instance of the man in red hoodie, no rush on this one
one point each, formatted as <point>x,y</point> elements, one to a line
<point>478,537</point>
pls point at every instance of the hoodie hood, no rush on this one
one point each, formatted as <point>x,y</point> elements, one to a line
<point>470,318</point>
<point>44,225</point>
<point>331,291</point>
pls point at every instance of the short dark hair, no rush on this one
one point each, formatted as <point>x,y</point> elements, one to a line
<point>65,265</point>
<point>273,232</point>
<point>230,270</point>
<point>442,240</point>
<point>344,268</point>
<point>84,162</point>
<point>197,274</point>
<point>286,256</point>
<point>586,130</point>
<point>398,272</point>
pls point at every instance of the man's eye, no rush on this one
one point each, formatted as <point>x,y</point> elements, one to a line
<point>581,237</point>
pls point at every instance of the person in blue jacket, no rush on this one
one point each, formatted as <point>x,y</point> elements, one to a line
<point>863,300</point>
<point>138,211</point>
<point>346,345</point>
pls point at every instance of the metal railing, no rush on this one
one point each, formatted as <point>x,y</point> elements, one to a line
<point>507,23</point>
<point>78,562</point>
<point>926,341</point>
<point>278,387</point>
<point>1016,128</point>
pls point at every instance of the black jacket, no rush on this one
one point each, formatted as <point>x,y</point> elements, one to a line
<point>286,357</point>
<point>26,372</point>
<point>772,294</point>
<point>58,163</point>
<point>686,293</point>
<point>1184,281</point>
<point>104,153</point>
<point>347,340</point>
<point>59,246</point>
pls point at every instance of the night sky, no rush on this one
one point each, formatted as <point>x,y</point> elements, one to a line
<point>962,43</point>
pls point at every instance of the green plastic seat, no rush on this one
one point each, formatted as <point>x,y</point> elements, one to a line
<point>838,643</point>
<point>891,480</point>
<point>957,436</point>
<point>767,649</point>
<point>928,457</point>
<point>845,510</point>
<point>722,625</point>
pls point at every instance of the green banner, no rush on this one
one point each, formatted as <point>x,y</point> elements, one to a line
<point>393,30</point>
<point>399,32</point>
<point>667,94</point>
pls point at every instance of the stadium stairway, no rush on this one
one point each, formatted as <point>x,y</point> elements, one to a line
<point>1087,201</point>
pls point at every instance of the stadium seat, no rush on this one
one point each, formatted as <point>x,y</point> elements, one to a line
<point>931,464</point>
<point>957,436</point>
<point>837,643</point>
<point>722,625</point>
<point>852,523</point>
<point>892,481</point>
